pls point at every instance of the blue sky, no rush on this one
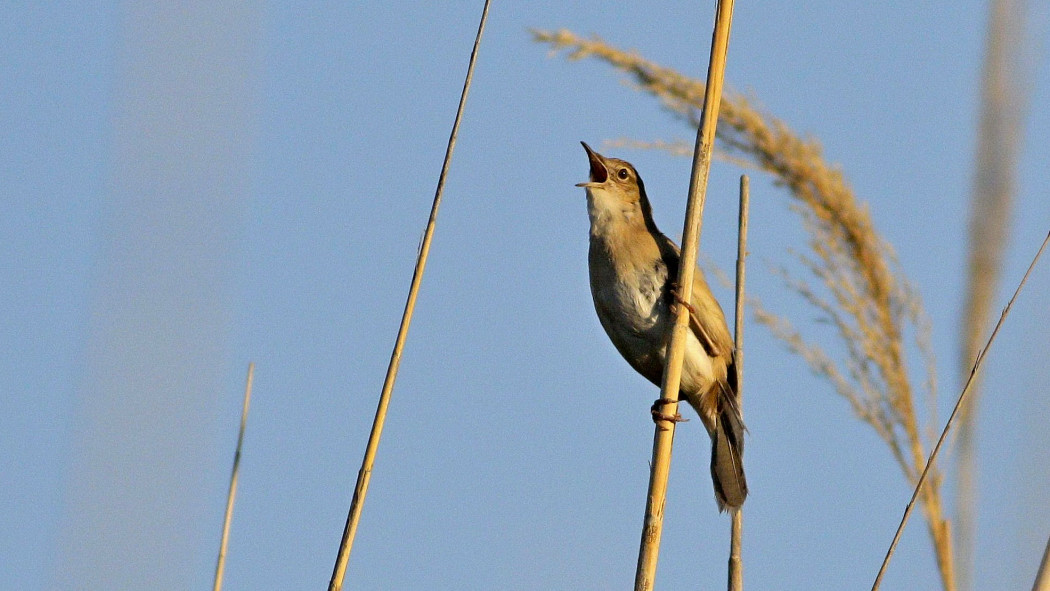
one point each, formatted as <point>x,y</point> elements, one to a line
<point>188,189</point>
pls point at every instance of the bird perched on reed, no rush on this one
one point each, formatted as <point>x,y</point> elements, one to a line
<point>633,267</point>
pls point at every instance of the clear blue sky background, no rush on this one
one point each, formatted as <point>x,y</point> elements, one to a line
<point>185,190</point>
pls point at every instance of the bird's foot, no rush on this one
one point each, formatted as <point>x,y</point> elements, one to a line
<point>658,415</point>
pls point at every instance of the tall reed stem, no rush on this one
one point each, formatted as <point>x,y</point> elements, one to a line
<point>652,529</point>
<point>736,567</point>
<point>1042,577</point>
<point>1006,89</point>
<point>220,564</point>
<point>365,474</point>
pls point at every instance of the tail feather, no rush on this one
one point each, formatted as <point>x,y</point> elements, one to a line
<point>727,452</point>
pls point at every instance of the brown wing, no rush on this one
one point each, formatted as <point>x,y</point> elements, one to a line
<point>706,319</point>
<point>709,323</point>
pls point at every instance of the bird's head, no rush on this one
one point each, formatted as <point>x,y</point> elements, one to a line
<point>614,188</point>
<point>612,176</point>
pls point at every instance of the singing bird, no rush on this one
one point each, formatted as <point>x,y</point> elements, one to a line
<point>633,268</point>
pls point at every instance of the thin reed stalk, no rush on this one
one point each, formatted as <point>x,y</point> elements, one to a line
<point>663,438</point>
<point>1042,577</point>
<point>736,566</point>
<point>955,411</point>
<point>220,564</point>
<point>364,475</point>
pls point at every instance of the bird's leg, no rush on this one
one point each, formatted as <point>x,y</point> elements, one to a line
<point>658,415</point>
<point>694,322</point>
<point>676,298</point>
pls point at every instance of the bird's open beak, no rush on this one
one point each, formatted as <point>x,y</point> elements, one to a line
<point>599,174</point>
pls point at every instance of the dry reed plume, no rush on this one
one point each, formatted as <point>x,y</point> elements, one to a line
<point>859,289</point>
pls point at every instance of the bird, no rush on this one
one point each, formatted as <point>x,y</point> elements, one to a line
<point>633,268</point>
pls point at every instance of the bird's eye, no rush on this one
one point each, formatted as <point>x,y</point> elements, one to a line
<point>623,174</point>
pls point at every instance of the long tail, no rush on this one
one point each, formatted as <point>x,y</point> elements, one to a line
<point>727,452</point>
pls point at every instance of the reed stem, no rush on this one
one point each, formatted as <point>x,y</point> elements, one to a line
<point>220,565</point>
<point>365,473</point>
<point>736,566</point>
<point>663,438</point>
<point>1042,577</point>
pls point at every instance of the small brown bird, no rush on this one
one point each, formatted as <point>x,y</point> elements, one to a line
<point>633,267</point>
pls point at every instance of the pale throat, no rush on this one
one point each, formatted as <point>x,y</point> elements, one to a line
<point>611,217</point>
